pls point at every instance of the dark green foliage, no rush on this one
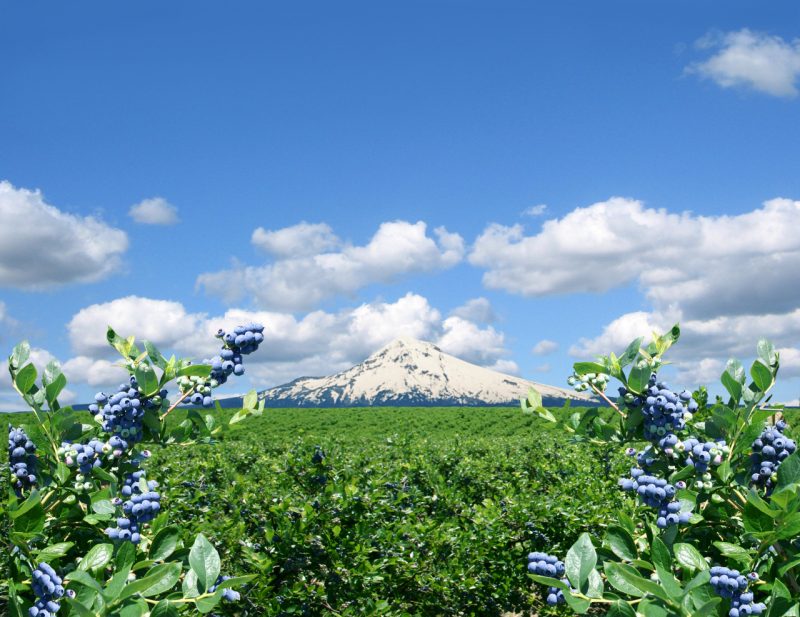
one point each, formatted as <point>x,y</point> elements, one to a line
<point>408,511</point>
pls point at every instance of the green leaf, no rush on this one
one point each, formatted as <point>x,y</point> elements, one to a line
<point>164,544</point>
<point>97,557</point>
<point>78,608</point>
<point>25,378</point>
<point>155,355</point>
<point>631,352</point>
<point>147,379</point>
<point>660,554</point>
<point>30,517</point>
<point>733,387</point>
<point>204,561</point>
<point>621,543</point>
<point>103,506</point>
<point>643,584</point>
<point>638,378</point>
<point>620,609</point>
<point>194,370</point>
<point>582,368</point>
<point>766,351</point>
<point>84,578</point>
<point>126,556</point>
<point>54,551</point>
<point>208,604</point>
<point>788,472</point>
<point>762,375</point>
<point>54,382</point>
<point>733,551</point>
<point>689,557</point>
<point>158,580</point>
<point>123,346</point>
<point>19,356</point>
<point>580,561</point>
<point>164,609</point>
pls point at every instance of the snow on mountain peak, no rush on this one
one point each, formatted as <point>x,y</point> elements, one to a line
<point>411,372</point>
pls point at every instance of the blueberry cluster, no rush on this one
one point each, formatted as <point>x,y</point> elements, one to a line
<point>86,457</point>
<point>582,383</point>
<point>122,413</point>
<point>656,493</point>
<point>21,460</point>
<point>732,584</point>
<point>47,585</point>
<point>242,341</point>
<point>141,507</point>
<point>769,451</point>
<point>702,455</point>
<point>227,594</point>
<point>665,412</point>
<point>547,565</point>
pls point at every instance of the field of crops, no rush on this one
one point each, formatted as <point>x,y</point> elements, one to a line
<point>392,511</point>
<point>388,511</point>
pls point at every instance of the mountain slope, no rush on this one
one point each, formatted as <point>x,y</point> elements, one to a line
<point>411,372</point>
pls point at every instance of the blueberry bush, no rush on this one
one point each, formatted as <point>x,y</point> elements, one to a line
<point>87,534</point>
<point>715,487</point>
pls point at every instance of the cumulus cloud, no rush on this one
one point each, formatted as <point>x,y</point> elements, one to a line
<point>537,210</point>
<point>154,211</point>
<point>544,347</point>
<point>468,341</point>
<point>7,323</point>
<point>298,240</point>
<point>706,344</point>
<point>299,283</point>
<point>94,372</point>
<point>318,343</point>
<point>750,59</point>
<point>543,368</point>
<point>162,322</point>
<point>478,310</point>
<point>42,247</point>
<point>709,265</point>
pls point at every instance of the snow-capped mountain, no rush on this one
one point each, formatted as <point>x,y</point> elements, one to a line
<point>412,372</point>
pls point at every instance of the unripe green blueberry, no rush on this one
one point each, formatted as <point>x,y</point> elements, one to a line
<point>717,498</point>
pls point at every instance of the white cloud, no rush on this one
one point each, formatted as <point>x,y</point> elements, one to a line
<point>298,240</point>
<point>154,211</point>
<point>43,247</point>
<point>752,60</point>
<point>543,368</point>
<point>94,372</point>
<point>162,322</point>
<point>705,344</point>
<point>468,341</point>
<point>318,343</point>
<point>299,283</point>
<point>544,347</point>
<point>537,210</point>
<point>478,310</point>
<point>7,323</point>
<point>505,366</point>
<point>708,265</point>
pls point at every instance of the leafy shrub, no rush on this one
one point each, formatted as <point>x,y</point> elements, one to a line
<point>87,534</point>
<point>718,514</point>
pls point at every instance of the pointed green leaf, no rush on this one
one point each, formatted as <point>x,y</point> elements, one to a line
<point>580,561</point>
<point>204,561</point>
<point>25,378</point>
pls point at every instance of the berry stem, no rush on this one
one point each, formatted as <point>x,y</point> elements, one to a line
<point>602,395</point>
<point>178,402</point>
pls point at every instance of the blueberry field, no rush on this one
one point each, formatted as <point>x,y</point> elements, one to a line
<point>389,511</point>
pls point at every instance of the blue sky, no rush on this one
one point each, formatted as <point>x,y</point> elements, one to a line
<point>174,169</point>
